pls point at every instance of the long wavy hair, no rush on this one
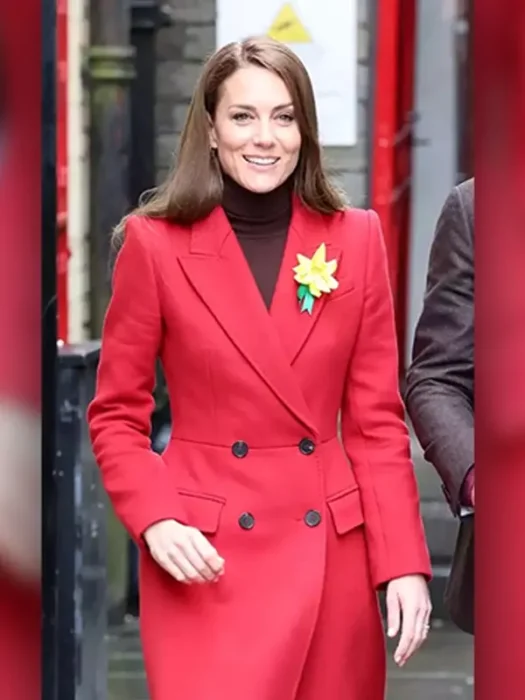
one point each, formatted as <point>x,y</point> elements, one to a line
<point>194,186</point>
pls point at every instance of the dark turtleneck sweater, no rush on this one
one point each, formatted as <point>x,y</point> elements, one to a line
<point>260,222</point>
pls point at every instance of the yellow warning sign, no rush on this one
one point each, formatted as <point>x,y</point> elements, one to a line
<point>288,28</point>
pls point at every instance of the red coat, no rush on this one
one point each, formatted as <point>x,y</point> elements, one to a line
<point>309,526</point>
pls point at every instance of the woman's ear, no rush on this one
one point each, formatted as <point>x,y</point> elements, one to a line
<point>212,133</point>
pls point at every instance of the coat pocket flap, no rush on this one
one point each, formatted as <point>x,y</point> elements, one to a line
<point>203,511</point>
<point>346,509</point>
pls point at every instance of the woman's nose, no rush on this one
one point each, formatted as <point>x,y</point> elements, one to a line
<point>264,135</point>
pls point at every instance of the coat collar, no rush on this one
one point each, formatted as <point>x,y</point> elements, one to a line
<point>270,341</point>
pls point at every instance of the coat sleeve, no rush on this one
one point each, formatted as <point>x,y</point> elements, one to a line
<point>119,416</point>
<point>375,434</point>
<point>440,381</point>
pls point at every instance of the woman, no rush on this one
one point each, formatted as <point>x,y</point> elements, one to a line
<point>264,536</point>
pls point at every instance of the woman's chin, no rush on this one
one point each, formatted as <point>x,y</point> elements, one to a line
<point>260,183</point>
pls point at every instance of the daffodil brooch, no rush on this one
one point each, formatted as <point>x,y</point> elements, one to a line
<point>315,277</point>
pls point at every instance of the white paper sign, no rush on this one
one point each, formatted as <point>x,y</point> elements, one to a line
<point>323,33</point>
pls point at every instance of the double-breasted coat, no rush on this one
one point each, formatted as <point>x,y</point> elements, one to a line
<point>311,514</point>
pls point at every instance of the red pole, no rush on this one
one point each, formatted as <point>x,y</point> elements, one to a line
<point>384,125</point>
<point>391,164</point>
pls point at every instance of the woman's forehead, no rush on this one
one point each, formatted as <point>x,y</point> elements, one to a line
<point>253,86</point>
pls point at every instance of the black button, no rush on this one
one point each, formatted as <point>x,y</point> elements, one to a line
<point>306,446</point>
<point>312,518</point>
<point>240,449</point>
<point>246,521</point>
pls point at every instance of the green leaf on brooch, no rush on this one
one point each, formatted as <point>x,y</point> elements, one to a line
<point>307,301</point>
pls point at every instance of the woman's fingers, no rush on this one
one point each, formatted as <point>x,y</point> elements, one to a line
<point>165,561</point>
<point>189,557</point>
<point>184,552</point>
<point>418,634</point>
<point>408,630</point>
<point>207,553</point>
<point>408,598</point>
<point>393,612</point>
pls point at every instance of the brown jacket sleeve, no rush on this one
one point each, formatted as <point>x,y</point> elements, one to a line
<point>440,381</point>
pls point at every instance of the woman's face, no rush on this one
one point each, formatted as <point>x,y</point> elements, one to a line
<point>255,131</point>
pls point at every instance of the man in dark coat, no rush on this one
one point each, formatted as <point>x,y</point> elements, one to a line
<point>440,383</point>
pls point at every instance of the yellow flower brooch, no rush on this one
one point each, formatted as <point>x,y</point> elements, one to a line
<point>315,277</point>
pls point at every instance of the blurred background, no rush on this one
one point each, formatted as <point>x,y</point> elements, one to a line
<point>396,127</point>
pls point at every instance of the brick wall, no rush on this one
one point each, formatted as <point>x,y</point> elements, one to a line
<point>181,50</point>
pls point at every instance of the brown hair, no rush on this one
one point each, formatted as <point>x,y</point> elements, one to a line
<point>194,187</point>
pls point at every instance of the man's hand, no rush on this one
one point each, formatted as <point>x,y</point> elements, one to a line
<point>467,490</point>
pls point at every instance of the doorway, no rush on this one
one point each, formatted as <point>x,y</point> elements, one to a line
<point>441,153</point>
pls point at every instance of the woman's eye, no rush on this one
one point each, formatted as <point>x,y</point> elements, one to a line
<point>288,118</point>
<point>241,116</point>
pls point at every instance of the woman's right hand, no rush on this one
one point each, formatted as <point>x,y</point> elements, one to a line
<point>183,552</point>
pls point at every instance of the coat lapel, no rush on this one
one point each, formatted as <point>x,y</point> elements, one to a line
<point>307,231</point>
<point>218,271</point>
